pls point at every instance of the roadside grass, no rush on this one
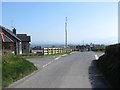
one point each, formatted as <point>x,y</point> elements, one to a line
<point>14,68</point>
<point>32,55</point>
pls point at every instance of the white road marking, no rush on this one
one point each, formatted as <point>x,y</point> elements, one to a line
<point>57,58</point>
<point>96,57</point>
<point>64,55</point>
<point>72,52</point>
<point>51,62</point>
<point>47,64</point>
<point>44,65</point>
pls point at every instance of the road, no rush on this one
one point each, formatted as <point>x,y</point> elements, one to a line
<point>71,71</point>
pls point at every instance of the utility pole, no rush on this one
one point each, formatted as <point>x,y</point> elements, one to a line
<point>66,33</point>
<point>83,43</point>
<point>83,46</point>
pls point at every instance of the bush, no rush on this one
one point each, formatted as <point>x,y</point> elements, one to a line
<point>14,68</point>
<point>109,64</point>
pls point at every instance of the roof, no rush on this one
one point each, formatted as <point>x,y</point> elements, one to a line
<point>24,37</point>
<point>5,38</point>
<point>10,32</point>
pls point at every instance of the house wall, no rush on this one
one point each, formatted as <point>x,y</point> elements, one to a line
<point>25,47</point>
<point>15,44</point>
<point>11,47</point>
<point>20,44</point>
<point>16,49</point>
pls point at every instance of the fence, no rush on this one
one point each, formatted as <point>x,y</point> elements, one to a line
<point>49,51</point>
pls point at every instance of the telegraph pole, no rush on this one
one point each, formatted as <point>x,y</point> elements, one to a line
<point>66,33</point>
<point>83,46</point>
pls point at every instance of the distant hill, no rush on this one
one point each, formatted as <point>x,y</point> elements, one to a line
<point>48,45</point>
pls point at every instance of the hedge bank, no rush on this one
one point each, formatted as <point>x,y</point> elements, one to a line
<point>109,64</point>
<point>14,68</point>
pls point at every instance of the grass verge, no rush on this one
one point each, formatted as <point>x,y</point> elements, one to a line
<point>32,55</point>
<point>15,68</point>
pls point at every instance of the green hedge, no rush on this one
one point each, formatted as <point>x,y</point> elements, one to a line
<point>109,64</point>
<point>15,68</point>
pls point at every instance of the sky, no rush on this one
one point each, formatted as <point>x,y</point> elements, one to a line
<point>119,22</point>
<point>95,22</point>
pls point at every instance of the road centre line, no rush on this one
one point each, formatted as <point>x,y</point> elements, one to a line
<point>64,55</point>
<point>57,58</point>
<point>44,65</point>
<point>50,62</point>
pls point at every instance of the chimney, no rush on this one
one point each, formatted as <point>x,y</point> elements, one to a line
<point>14,31</point>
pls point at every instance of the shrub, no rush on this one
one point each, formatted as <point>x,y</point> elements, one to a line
<point>109,64</point>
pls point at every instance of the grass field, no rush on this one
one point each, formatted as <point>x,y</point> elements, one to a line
<point>15,68</point>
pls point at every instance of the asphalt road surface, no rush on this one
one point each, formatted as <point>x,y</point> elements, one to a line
<point>71,71</point>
